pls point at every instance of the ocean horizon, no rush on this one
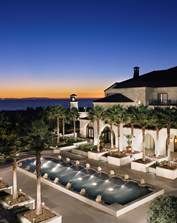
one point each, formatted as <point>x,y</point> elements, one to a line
<point>13,104</point>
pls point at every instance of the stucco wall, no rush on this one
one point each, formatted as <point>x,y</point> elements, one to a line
<point>83,126</point>
<point>160,142</point>
<point>144,94</point>
<point>152,93</point>
<point>136,94</point>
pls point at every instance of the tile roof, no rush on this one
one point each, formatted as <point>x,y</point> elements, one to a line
<point>114,98</point>
<point>159,78</point>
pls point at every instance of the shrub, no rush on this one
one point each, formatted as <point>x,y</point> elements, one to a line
<point>87,147</point>
<point>73,140</point>
<point>163,210</point>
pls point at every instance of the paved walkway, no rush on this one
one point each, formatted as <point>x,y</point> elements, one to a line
<point>72,210</point>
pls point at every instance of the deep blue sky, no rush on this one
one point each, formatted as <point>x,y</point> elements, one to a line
<point>54,47</point>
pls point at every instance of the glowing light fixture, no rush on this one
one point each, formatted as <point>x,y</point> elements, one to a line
<point>110,189</point>
<point>94,183</point>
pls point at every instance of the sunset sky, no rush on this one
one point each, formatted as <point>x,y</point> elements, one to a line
<point>51,48</point>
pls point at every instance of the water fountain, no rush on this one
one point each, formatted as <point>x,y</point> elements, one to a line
<point>112,172</point>
<point>87,165</point>
<point>68,185</point>
<point>106,181</point>
<point>82,191</point>
<point>46,164</point>
<point>110,189</point>
<point>95,185</point>
<point>56,180</point>
<point>77,162</point>
<point>28,167</point>
<point>142,181</point>
<point>68,160</point>
<point>34,163</point>
<point>98,199</point>
<point>99,169</point>
<point>54,169</point>
<point>126,176</point>
<point>45,175</point>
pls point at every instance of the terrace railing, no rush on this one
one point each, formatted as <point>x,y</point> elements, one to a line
<point>163,103</point>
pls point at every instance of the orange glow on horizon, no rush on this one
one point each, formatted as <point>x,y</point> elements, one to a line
<point>61,87</point>
<point>9,92</point>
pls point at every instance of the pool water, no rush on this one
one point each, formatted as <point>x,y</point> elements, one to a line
<point>112,189</point>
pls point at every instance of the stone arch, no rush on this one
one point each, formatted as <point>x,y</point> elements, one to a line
<point>107,137</point>
<point>149,144</point>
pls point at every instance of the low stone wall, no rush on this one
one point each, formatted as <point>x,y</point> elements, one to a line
<point>139,202</point>
<point>65,148</point>
<point>152,170</point>
<point>7,189</point>
<point>74,146</point>
<point>115,209</point>
<point>69,135</point>
<point>80,152</point>
<point>167,173</point>
<point>141,166</point>
<point>103,158</point>
<point>95,156</point>
<point>29,203</point>
<point>118,161</point>
<point>56,219</point>
<point>137,156</point>
<point>80,143</point>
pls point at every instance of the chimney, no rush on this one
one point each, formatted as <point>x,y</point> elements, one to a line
<point>136,72</point>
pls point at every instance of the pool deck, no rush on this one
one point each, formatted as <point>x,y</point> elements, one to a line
<point>115,209</point>
<point>75,211</point>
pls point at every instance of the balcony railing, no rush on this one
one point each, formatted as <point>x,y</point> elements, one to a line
<point>161,103</point>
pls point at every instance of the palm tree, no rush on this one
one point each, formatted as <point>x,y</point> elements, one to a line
<point>168,117</point>
<point>74,115</point>
<point>108,116</point>
<point>3,125</point>
<point>39,139</point>
<point>56,113</point>
<point>157,120</point>
<point>96,114</point>
<point>11,144</point>
<point>131,118</point>
<point>119,117</point>
<point>115,115</point>
<point>144,119</point>
<point>64,117</point>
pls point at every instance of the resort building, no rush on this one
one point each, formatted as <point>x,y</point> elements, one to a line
<point>156,88</point>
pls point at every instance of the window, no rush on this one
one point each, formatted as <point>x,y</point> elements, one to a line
<point>163,98</point>
<point>90,132</point>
